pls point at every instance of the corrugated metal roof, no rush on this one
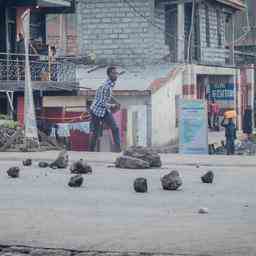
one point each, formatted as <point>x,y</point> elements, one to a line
<point>133,79</point>
<point>238,4</point>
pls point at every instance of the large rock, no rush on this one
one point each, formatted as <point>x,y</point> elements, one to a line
<point>128,162</point>
<point>76,181</point>
<point>80,167</point>
<point>13,172</point>
<point>208,177</point>
<point>171,181</point>
<point>140,185</point>
<point>27,162</point>
<point>61,161</point>
<point>144,153</point>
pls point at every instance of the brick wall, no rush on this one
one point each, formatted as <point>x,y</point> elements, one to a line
<point>118,33</point>
<point>114,31</point>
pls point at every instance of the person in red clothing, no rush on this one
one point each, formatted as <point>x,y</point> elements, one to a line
<point>215,110</point>
<point>209,112</point>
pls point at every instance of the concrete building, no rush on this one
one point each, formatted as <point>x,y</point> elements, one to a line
<point>168,50</point>
<point>148,32</point>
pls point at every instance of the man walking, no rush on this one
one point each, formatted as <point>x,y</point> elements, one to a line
<point>101,111</point>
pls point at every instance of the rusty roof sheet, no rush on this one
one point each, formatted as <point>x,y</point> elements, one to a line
<point>237,4</point>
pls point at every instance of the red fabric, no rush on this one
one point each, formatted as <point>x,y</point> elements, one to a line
<point>79,141</point>
<point>215,108</point>
<point>20,111</point>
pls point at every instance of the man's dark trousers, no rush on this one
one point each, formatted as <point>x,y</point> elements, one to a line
<point>230,146</point>
<point>97,126</point>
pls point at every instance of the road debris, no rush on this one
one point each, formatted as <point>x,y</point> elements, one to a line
<point>13,172</point>
<point>208,177</point>
<point>140,185</point>
<point>171,181</point>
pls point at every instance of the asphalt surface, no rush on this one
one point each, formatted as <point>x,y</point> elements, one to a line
<point>39,209</point>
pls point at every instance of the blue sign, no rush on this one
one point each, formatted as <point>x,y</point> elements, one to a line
<point>222,91</point>
<point>193,130</point>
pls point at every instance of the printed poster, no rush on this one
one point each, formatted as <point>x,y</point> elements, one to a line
<point>193,127</point>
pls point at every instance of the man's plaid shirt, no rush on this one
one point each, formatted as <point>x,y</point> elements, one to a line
<point>102,99</point>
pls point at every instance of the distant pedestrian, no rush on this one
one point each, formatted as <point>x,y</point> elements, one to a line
<point>230,133</point>
<point>101,111</point>
<point>247,122</point>
<point>209,111</point>
<point>215,109</point>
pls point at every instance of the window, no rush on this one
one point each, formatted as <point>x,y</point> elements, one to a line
<point>219,24</point>
<point>207,26</point>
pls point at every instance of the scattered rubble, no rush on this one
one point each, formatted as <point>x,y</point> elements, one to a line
<point>203,210</point>
<point>128,162</point>
<point>27,162</point>
<point>140,185</point>
<point>171,181</point>
<point>80,167</point>
<point>145,154</point>
<point>208,177</point>
<point>43,164</point>
<point>62,160</point>
<point>13,172</point>
<point>245,147</point>
<point>76,181</point>
<point>12,139</point>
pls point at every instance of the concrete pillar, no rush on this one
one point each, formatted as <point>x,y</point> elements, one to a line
<point>181,33</point>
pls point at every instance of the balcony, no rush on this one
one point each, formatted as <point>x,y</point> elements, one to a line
<point>46,73</point>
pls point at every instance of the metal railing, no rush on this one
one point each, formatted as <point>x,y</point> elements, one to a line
<point>12,68</point>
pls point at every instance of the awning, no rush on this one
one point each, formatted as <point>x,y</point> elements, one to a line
<point>54,3</point>
<point>47,6</point>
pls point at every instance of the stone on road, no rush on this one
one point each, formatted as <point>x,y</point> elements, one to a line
<point>171,181</point>
<point>127,162</point>
<point>80,167</point>
<point>61,161</point>
<point>27,162</point>
<point>13,172</point>
<point>145,154</point>
<point>140,185</point>
<point>76,181</point>
<point>43,164</point>
<point>208,177</point>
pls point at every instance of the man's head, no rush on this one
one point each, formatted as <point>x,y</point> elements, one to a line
<point>112,73</point>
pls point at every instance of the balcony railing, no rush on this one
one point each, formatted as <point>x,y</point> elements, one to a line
<point>42,68</point>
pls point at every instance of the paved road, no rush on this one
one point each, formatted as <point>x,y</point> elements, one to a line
<point>39,209</point>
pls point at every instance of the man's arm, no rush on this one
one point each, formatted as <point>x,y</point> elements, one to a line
<point>222,122</point>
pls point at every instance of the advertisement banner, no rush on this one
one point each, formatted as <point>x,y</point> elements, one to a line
<point>222,91</point>
<point>193,127</point>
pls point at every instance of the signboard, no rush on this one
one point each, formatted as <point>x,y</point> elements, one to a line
<point>193,127</point>
<point>222,91</point>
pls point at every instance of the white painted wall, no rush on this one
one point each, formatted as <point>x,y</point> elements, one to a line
<point>142,125</point>
<point>163,111</point>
